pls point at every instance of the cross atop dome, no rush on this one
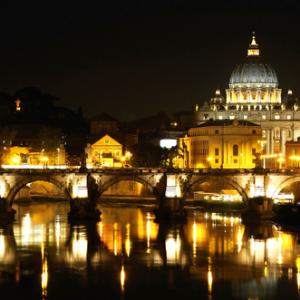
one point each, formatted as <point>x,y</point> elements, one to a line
<point>253,50</point>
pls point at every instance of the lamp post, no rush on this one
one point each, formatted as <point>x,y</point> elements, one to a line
<point>58,151</point>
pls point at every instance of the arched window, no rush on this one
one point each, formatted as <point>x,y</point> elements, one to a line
<point>235,150</point>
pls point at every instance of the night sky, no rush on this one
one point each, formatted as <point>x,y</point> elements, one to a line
<point>135,58</point>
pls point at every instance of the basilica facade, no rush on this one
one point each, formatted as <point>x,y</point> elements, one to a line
<point>254,95</point>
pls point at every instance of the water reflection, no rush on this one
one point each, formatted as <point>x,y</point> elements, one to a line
<point>127,255</point>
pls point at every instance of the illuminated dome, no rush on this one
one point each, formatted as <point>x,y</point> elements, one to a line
<point>253,73</point>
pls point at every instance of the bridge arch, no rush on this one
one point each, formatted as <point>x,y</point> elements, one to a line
<point>225,180</point>
<point>23,181</point>
<point>285,183</point>
<point>118,179</point>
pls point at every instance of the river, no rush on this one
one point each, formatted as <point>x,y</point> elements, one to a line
<point>127,255</point>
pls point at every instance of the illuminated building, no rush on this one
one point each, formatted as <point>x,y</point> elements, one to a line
<point>106,152</point>
<point>293,154</point>
<point>26,156</point>
<point>222,144</point>
<point>254,95</point>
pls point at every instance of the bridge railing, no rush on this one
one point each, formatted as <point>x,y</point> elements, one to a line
<point>206,171</point>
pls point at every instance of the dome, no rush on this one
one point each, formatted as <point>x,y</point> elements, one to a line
<point>253,74</point>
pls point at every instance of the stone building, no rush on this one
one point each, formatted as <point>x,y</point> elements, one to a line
<point>222,144</point>
<point>254,95</point>
<point>105,152</point>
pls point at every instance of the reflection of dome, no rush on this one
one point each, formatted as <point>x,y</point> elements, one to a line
<point>253,74</point>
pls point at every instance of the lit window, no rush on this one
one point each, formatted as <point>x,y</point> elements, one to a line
<point>277,117</point>
<point>288,117</point>
<point>263,117</point>
<point>245,117</point>
<point>231,117</point>
<point>220,117</point>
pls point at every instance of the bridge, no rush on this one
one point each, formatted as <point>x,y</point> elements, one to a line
<point>169,187</point>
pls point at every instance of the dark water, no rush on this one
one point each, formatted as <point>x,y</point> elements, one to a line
<point>129,256</point>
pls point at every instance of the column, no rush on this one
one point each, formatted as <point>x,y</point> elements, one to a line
<point>272,141</point>
<point>268,145</point>
<point>282,141</point>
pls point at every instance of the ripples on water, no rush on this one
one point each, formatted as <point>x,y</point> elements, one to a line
<point>129,256</point>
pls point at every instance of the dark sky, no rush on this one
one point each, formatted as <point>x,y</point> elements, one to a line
<point>135,58</point>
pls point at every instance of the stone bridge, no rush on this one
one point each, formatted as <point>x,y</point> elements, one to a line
<point>169,187</point>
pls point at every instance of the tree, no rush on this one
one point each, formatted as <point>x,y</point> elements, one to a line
<point>146,155</point>
<point>170,156</point>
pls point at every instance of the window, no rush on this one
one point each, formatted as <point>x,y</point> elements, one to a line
<point>220,117</point>
<point>235,161</point>
<point>288,117</point>
<point>231,117</point>
<point>253,151</point>
<point>235,150</point>
<point>216,131</point>
<point>216,161</point>
<point>245,117</point>
<point>277,117</point>
<point>216,151</point>
<point>263,117</point>
<point>254,131</point>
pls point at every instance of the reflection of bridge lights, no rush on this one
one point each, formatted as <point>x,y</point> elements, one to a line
<point>257,249</point>
<point>194,239</point>
<point>26,228</point>
<point>148,230</point>
<point>240,234</point>
<point>298,273</point>
<point>44,278</point>
<point>2,246</point>
<point>79,246</point>
<point>209,280</point>
<point>57,231</point>
<point>173,246</point>
<point>127,240</point>
<point>122,278</point>
<point>100,226</point>
<point>115,240</point>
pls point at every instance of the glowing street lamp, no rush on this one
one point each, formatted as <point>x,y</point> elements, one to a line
<point>58,151</point>
<point>209,159</point>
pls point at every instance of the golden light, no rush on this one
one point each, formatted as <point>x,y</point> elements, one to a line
<point>173,247</point>
<point>128,154</point>
<point>79,246</point>
<point>122,278</point>
<point>44,158</point>
<point>295,157</point>
<point>123,158</point>
<point>44,278</point>
<point>298,272</point>
<point>15,159</point>
<point>127,240</point>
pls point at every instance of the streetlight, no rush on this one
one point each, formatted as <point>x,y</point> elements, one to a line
<point>209,159</point>
<point>58,150</point>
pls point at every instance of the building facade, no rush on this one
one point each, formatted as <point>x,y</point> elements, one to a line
<point>254,95</point>
<point>222,144</point>
<point>106,152</point>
